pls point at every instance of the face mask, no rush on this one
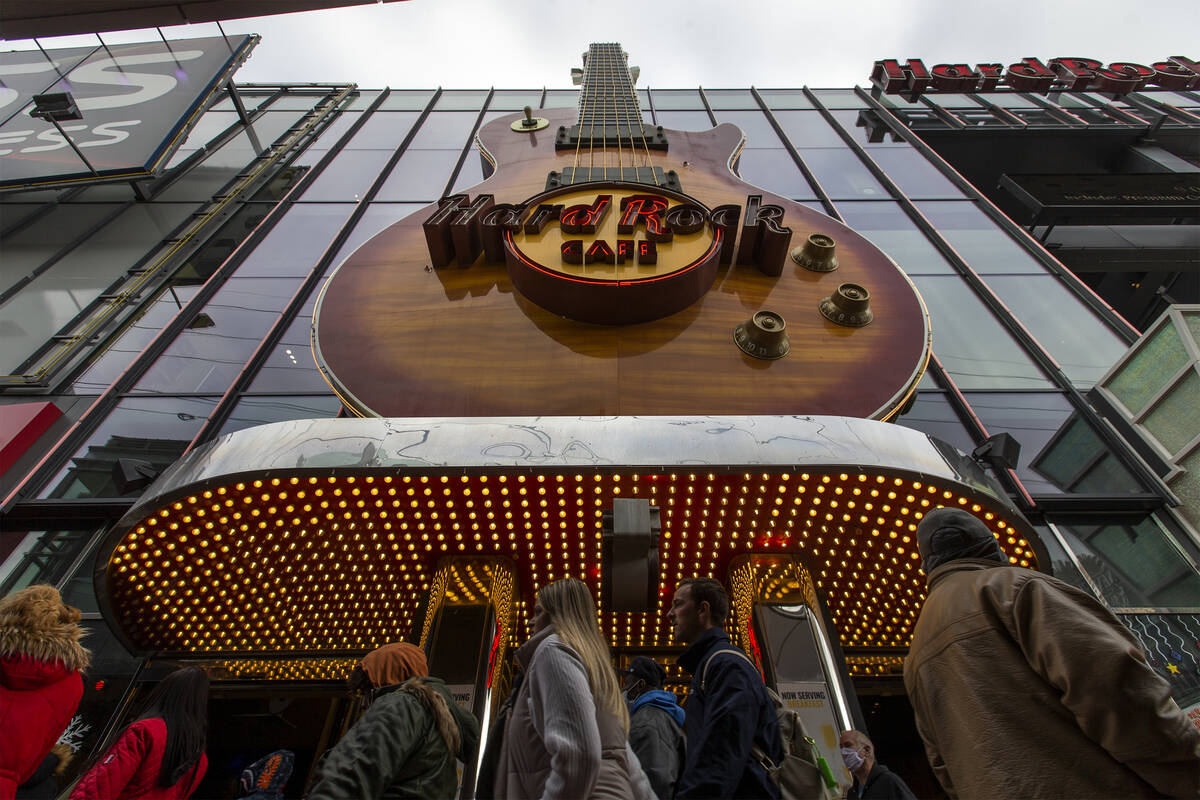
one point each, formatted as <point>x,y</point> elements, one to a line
<point>631,694</point>
<point>852,759</point>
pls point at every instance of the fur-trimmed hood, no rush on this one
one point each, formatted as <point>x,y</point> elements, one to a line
<point>35,623</point>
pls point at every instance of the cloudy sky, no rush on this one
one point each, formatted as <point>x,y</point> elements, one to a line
<point>683,43</point>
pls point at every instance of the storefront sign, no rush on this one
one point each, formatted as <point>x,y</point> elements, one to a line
<point>810,699</point>
<point>137,102</point>
<point>608,253</point>
<point>1104,198</point>
<point>912,79</point>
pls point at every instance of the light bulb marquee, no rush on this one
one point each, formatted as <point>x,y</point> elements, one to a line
<point>318,537</point>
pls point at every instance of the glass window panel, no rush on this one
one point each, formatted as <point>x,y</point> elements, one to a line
<point>252,411</point>
<point>886,224</point>
<point>458,99</point>
<point>1147,372</point>
<point>952,100</point>
<point>400,100</point>
<point>209,125</point>
<point>297,241</point>
<point>1061,565</point>
<point>211,175</point>
<point>383,130</point>
<point>1044,424</point>
<point>215,348</point>
<point>684,120</point>
<point>785,98</point>
<point>1135,565</point>
<point>515,101</point>
<point>348,176</point>
<point>973,347</point>
<point>1187,486</point>
<point>807,129</point>
<point>839,98</point>
<point>932,414</point>
<point>730,98</point>
<point>562,98</point>
<point>1082,345</point>
<point>1005,100</point>
<point>420,175</point>
<point>293,101</point>
<point>1173,99</point>
<point>290,366</point>
<point>915,176</point>
<point>55,297</point>
<point>867,128</point>
<point>841,174</point>
<point>251,100</point>
<point>775,171</point>
<point>754,124</point>
<point>138,332</point>
<point>676,99</point>
<point>28,247</point>
<point>377,217</point>
<point>152,429</point>
<point>1076,461</point>
<point>333,132</point>
<point>471,172</point>
<point>445,131</point>
<point>488,116</point>
<point>41,556</point>
<point>1173,419</point>
<point>981,242</point>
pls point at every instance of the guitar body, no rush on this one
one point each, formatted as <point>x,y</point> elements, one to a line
<point>398,337</point>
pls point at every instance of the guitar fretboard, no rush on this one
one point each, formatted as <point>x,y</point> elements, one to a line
<point>607,97</point>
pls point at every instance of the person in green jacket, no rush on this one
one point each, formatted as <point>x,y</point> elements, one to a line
<point>406,743</point>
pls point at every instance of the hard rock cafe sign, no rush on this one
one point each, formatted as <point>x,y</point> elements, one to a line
<point>608,254</point>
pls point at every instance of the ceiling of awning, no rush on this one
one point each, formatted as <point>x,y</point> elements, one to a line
<point>26,19</point>
<point>320,535</point>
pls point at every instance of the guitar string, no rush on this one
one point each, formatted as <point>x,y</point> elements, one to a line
<point>582,110</point>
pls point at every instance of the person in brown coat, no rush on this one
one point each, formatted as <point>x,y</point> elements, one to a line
<point>1024,686</point>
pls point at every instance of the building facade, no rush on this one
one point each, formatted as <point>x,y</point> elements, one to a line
<point>144,320</point>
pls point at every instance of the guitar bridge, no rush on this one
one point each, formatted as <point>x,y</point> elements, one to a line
<point>635,136</point>
<point>651,176</point>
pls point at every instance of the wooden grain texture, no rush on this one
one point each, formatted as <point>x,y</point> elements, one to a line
<point>398,338</point>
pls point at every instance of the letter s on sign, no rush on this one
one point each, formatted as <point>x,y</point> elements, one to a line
<point>150,85</point>
<point>12,137</point>
<point>109,129</point>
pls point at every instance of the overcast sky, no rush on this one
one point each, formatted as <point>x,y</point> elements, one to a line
<point>534,43</point>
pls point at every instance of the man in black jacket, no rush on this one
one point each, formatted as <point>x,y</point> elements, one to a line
<point>729,714</point>
<point>872,780</point>
<point>655,725</point>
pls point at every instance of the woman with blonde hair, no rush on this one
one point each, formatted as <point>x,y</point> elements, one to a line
<point>567,732</point>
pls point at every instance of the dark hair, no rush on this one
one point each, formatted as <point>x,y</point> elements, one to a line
<point>707,590</point>
<point>181,700</point>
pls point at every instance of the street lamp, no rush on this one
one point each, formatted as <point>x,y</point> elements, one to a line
<point>56,107</point>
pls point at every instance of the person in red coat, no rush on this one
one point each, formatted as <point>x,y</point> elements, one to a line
<point>40,682</point>
<point>160,756</point>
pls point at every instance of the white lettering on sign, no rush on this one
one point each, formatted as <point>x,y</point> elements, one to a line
<point>110,130</point>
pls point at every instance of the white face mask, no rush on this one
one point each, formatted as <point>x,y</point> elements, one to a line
<point>852,759</point>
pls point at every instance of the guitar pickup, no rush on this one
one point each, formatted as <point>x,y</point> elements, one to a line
<point>651,176</point>
<point>645,137</point>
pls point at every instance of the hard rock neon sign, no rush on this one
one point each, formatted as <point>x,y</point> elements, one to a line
<point>608,253</point>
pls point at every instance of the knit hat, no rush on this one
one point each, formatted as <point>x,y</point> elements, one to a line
<point>35,622</point>
<point>395,663</point>
<point>648,670</point>
<point>948,534</point>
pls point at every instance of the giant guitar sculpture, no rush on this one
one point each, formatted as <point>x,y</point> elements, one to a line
<point>610,267</point>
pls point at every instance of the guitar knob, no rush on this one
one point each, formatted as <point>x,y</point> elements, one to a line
<point>850,305</point>
<point>817,254</point>
<point>763,336</point>
<point>530,122</point>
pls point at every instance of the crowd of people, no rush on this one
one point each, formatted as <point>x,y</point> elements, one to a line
<point>1022,686</point>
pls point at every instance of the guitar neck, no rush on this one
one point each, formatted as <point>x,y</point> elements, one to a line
<point>607,96</point>
<point>609,112</point>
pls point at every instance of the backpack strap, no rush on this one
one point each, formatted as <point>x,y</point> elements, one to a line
<point>732,652</point>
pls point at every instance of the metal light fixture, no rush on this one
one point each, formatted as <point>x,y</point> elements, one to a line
<point>58,107</point>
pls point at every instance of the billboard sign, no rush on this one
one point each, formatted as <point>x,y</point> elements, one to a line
<point>137,102</point>
<point>912,78</point>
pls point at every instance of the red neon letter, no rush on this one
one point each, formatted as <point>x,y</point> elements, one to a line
<point>1077,73</point>
<point>599,251</point>
<point>584,219</point>
<point>1029,75</point>
<point>648,209</point>
<point>572,251</point>
<point>909,79</point>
